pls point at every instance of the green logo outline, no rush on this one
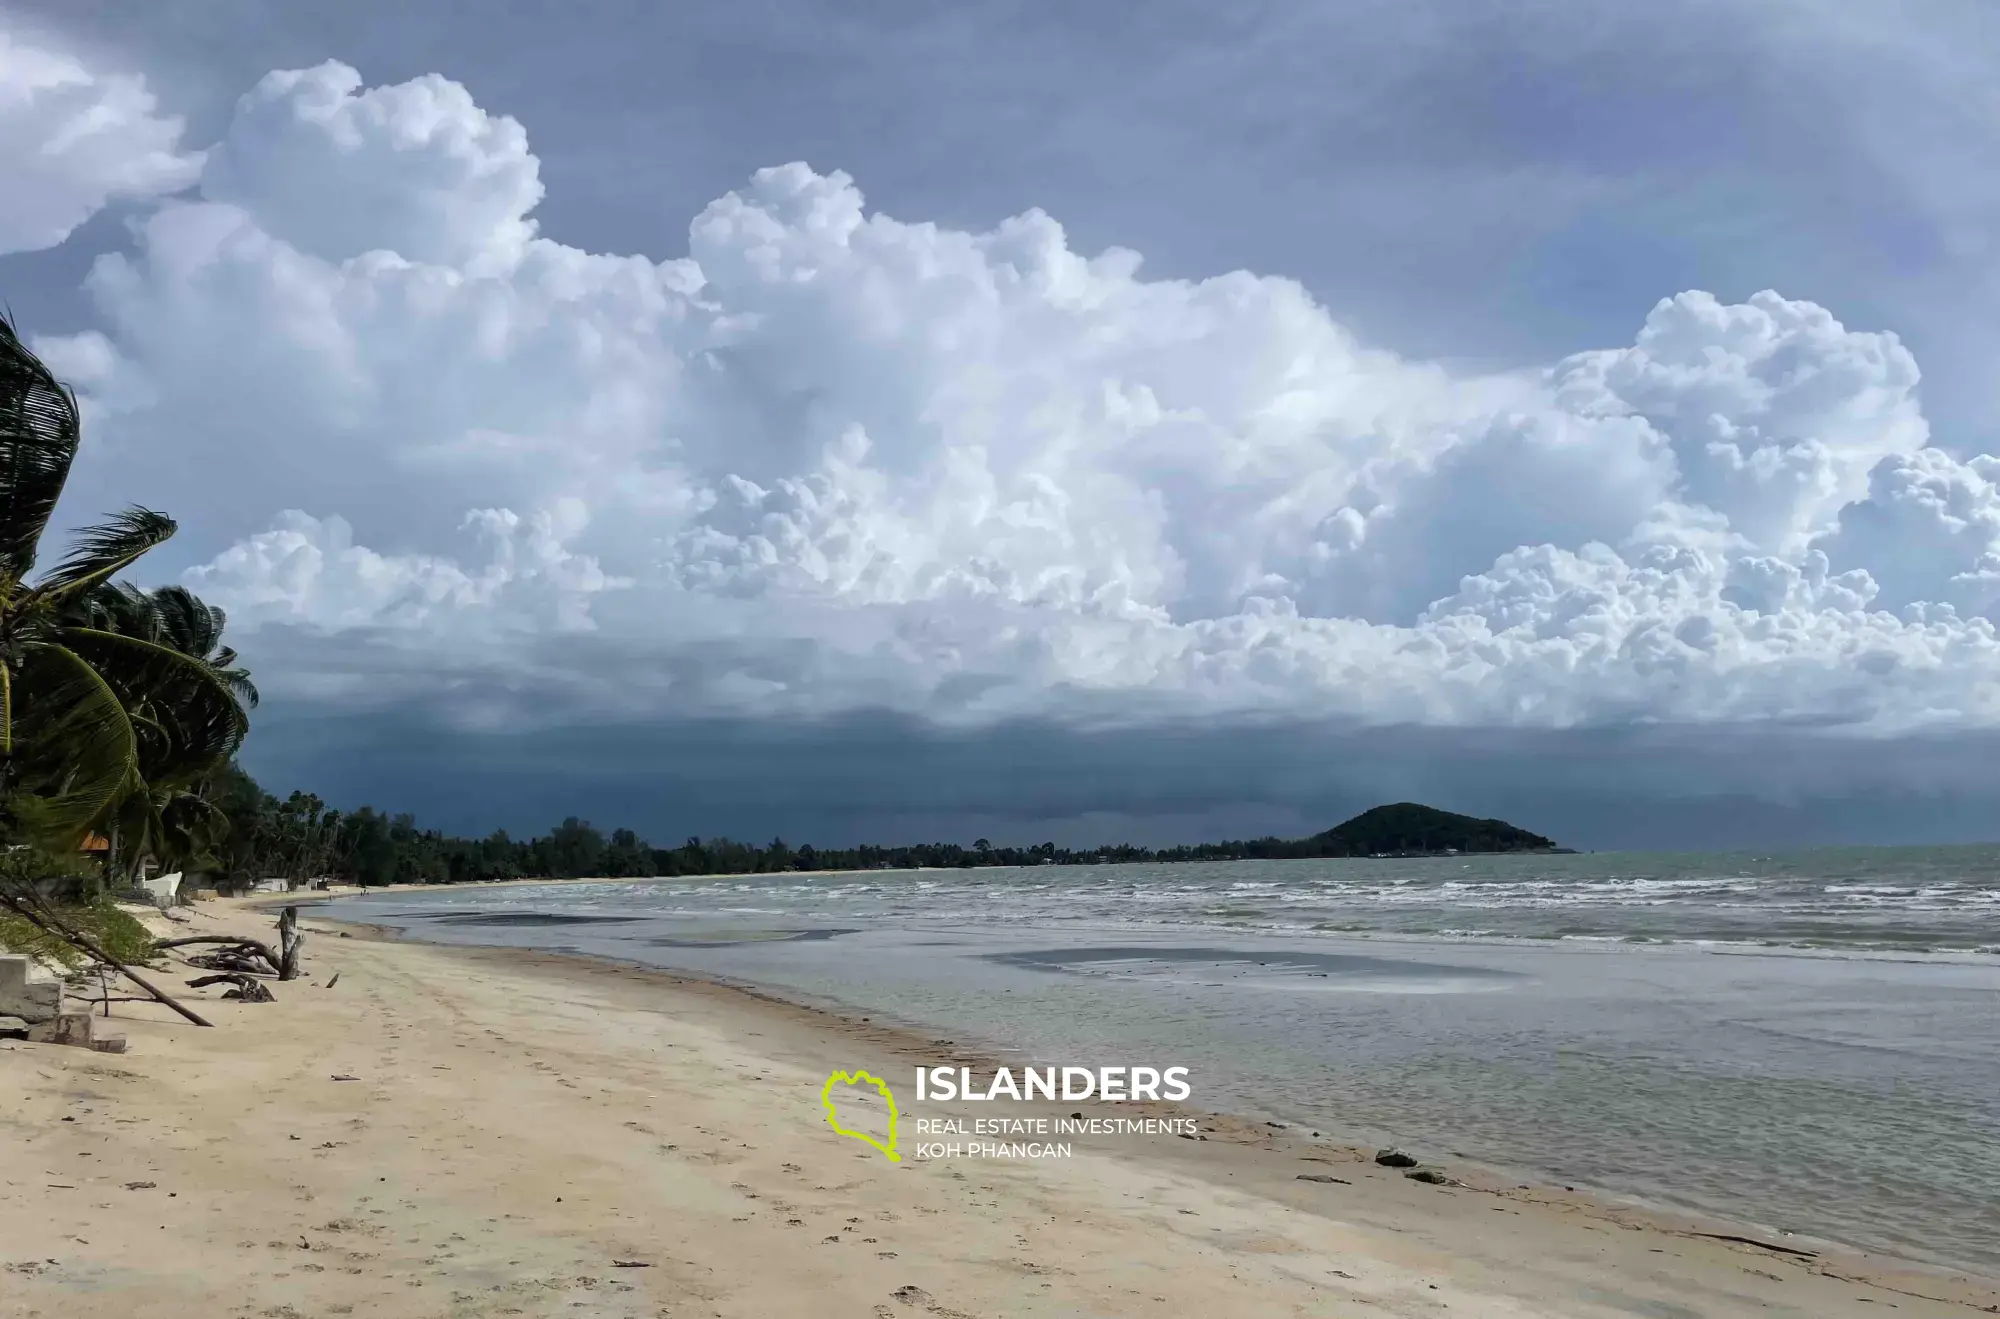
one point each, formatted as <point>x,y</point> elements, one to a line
<point>832,1120</point>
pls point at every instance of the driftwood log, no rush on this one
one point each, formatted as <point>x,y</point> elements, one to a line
<point>229,959</point>
<point>248,988</point>
<point>233,946</point>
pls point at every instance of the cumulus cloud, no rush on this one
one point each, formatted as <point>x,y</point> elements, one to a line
<point>337,170</point>
<point>311,569</point>
<point>1928,530</point>
<point>73,140</point>
<point>832,459</point>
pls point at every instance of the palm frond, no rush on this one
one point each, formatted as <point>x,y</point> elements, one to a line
<point>239,684</point>
<point>104,550</point>
<point>196,707</point>
<point>75,750</point>
<point>38,437</point>
<point>187,623</point>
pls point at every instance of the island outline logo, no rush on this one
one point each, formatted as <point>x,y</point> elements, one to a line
<point>857,1078</point>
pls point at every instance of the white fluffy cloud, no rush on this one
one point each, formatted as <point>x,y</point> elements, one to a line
<point>833,459</point>
<point>337,170</point>
<point>72,140</point>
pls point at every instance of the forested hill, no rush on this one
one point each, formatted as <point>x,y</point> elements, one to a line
<point>300,838</point>
<point>1407,829</point>
<point>1404,829</point>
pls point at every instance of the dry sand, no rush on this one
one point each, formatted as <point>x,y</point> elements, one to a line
<point>534,1135</point>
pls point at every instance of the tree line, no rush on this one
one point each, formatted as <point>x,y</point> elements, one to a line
<point>299,838</point>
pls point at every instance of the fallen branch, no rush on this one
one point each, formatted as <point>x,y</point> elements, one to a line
<point>49,923</point>
<point>249,989</point>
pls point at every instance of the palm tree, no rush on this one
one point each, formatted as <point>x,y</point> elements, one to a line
<point>172,819</point>
<point>99,704</point>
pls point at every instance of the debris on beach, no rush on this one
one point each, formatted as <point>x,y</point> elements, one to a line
<point>1431,1177</point>
<point>239,960</point>
<point>245,988</point>
<point>231,953</point>
<point>1322,1177</point>
<point>1761,1245</point>
<point>1395,1159</point>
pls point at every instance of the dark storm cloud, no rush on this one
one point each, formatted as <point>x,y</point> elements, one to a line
<point>880,778</point>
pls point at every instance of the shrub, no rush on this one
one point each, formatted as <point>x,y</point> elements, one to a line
<point>114,931</point>
<point>72,890</point>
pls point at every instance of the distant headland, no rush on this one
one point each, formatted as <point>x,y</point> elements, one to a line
<point>300,840</point>
<point>1404,829</point>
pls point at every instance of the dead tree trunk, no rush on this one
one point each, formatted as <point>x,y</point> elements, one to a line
<point>289,941</point>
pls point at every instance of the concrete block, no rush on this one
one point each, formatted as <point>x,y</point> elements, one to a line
<point>27,991</point>
<point>68,1028</point>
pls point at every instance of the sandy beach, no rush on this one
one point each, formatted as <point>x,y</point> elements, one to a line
<point>472,1132</point>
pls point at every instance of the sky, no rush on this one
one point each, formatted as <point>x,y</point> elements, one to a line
<point>1144,423</point>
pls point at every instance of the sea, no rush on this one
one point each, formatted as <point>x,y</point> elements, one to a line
<point>1804,1042</point>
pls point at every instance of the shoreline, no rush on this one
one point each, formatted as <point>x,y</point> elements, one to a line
<point>916,1044</point>
<point>520,1127</point>
<point>1736,1207</point>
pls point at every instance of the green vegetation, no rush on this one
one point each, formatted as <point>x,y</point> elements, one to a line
<point>114,931</point>
<point>66,888</point>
